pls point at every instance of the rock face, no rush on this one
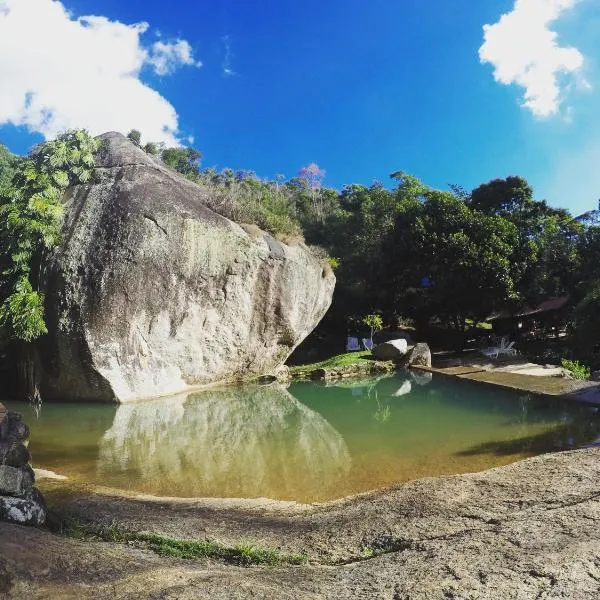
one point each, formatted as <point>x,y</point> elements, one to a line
<point>20,502</point>
<point>391,350</point>
<point>525,531</point>
<point>152,293</point>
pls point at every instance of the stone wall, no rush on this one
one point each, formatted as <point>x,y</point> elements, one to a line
<point>20,502</point>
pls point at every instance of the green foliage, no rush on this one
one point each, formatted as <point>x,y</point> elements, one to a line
<point>23,312</point>
<point>152,149</point>
<point>445,259</point>
<point>8,166</point>
<point>241,196</point>
<point>502,197</point>
<point>586,338</point>
<point>30,217</point>
<point>183,160</point>
<point>578,371</point>
<point>588,249</point>
<point>333,262</point>
<point>374,321</point>
<point>243,554</point>
<point>135,136</point>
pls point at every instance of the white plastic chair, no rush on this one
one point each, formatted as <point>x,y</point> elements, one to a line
<point>503,348</point>
<point>508,350</point>
<point>352,344</point>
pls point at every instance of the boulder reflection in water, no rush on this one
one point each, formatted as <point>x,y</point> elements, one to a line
<point>232,442</point>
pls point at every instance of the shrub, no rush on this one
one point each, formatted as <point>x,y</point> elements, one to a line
<point>578,371</point>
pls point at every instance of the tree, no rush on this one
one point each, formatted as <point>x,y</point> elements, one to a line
<point>375,322</point>
<point>502,197</point>
<point>443,258</point>
<point>546,257</point>
<point>30,218</point>
<point>586,338</point>
<point>183,160</point>
<point>312,175</point>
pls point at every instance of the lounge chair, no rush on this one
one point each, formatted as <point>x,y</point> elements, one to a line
<point>491,352</point>
<point>503,348</point>
<point>352,344</point>
<point>368,343</point>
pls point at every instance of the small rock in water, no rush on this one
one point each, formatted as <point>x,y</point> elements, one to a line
<point>29,510</point>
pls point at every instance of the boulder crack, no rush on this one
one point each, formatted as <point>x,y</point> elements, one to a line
<point>153,220</point>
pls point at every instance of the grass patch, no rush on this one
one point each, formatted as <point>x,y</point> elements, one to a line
<point>341,360</point>
<point>243,554</point>
<point>479,325</point>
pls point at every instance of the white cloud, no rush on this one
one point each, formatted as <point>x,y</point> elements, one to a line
<point>524,50</point>
<point>166,57</point>
<point>59,72</point>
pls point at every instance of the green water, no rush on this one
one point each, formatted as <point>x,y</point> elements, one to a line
<point>308,442</point>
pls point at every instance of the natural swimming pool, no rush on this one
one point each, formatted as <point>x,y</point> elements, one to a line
<point>309,442</point>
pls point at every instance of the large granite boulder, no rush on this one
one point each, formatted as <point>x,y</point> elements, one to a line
<point>152,293</point>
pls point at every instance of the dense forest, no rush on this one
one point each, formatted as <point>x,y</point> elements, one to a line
<point>405,251</point>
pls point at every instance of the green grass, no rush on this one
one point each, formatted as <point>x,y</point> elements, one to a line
<point>341,360</point>
<point>243,554</point>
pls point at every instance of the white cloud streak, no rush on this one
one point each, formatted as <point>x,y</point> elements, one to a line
<point>525,51</point>
<point>228,55</point>
<point>59,72</point>
<point>167,57</point>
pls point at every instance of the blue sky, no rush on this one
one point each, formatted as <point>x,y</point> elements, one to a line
<point>362,89</point>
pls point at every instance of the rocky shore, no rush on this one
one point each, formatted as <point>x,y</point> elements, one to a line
<point>20,502</point>
<point>525,531</point>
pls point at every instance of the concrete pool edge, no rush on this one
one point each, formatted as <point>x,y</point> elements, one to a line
<point>569,389</point>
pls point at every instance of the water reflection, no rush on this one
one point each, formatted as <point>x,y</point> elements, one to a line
<point>310,442</point>
<point>239,442</point>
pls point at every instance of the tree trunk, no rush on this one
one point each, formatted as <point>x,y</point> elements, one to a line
<point>26,374</point>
